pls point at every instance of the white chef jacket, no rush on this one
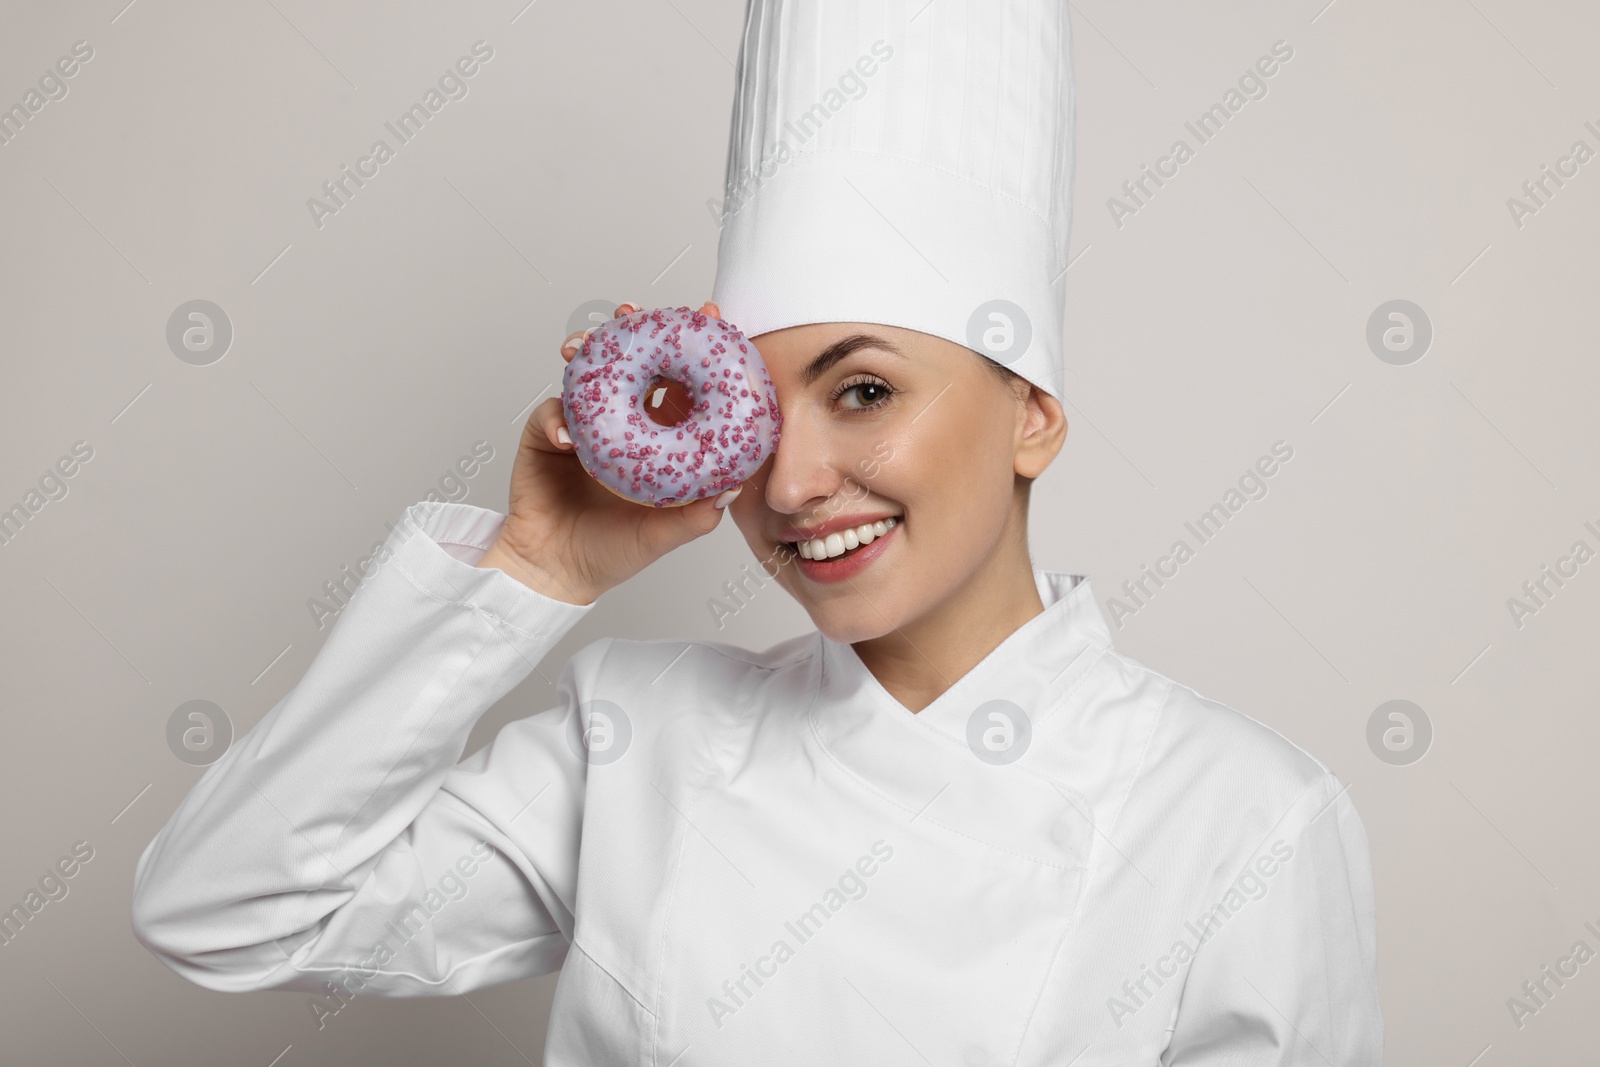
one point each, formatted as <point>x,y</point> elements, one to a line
<point>763,857</point>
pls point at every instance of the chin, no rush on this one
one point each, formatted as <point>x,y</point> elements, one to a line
<point>847,622</point>
<point>848,635</point>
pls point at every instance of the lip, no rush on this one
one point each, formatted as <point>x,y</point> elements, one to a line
<point>851,563</point>
<point>794,535</point>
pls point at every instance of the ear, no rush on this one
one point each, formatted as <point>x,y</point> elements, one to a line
<point>1041,432</point>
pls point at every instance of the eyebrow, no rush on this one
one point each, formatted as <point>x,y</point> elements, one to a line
<point>842,348</point>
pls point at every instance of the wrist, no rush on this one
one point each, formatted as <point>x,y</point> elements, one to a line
<point>501,556</point>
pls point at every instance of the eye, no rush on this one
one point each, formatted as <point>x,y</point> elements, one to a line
<point>870,391</point>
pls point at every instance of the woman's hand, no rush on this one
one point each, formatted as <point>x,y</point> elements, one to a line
<point>569,537</point>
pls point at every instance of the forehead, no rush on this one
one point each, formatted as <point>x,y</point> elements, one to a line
<point>803,355</point>
<point>813,337</point>
<point>792,349</point>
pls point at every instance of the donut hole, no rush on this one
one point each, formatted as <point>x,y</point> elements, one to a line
<point>667,402</point>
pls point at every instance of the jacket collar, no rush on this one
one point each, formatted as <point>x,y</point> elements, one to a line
<point>937,761</point>
<point>1033,667</point>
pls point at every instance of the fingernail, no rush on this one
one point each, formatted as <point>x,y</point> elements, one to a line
<point>563,436</point>
<point>728,497</point>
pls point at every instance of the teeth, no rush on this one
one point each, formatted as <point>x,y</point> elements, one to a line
<point>837,544</point>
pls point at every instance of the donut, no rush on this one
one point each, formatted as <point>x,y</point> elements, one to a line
<point>669,406</point>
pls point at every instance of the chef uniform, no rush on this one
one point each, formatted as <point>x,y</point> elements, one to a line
<point>739,857</point>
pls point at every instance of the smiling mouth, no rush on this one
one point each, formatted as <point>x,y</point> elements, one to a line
<point>844,542</point>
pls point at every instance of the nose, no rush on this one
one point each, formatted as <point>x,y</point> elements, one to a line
<point>803,472</point>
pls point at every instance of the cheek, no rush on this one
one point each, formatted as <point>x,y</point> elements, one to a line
<point>740,512</point>
<point>749,514</point>
<point>750,509</point>
<point>961,464</point>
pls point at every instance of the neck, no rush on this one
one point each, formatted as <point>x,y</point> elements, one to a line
<point>916,662</point>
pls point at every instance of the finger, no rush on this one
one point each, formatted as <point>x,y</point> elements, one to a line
<point>711,309</point>
<point>703,515</point>
<point>574,341</point>
<point>547,427</point>
<point>670,528</point>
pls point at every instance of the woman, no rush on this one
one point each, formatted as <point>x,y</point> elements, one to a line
<point>952,825</point>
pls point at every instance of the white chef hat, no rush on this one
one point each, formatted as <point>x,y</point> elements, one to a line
<point>903,162</point>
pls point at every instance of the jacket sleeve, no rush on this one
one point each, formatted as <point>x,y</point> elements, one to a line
<point>1289,978</point>
<point>338,845</point>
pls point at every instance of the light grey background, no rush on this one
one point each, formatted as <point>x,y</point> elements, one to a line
<point>369,354</point>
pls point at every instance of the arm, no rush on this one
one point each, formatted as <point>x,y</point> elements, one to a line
<point>301,853</point>
<point>1290,979</point>
<point>338,836</point>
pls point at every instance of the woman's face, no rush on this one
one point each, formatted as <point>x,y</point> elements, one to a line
<point>883,423</point>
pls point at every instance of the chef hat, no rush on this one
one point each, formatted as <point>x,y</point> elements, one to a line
<point>903,162</point>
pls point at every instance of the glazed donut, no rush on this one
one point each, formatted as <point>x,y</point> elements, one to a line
<point>669,406</point>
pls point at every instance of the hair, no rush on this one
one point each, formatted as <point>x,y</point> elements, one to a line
<point>1008,377</point>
